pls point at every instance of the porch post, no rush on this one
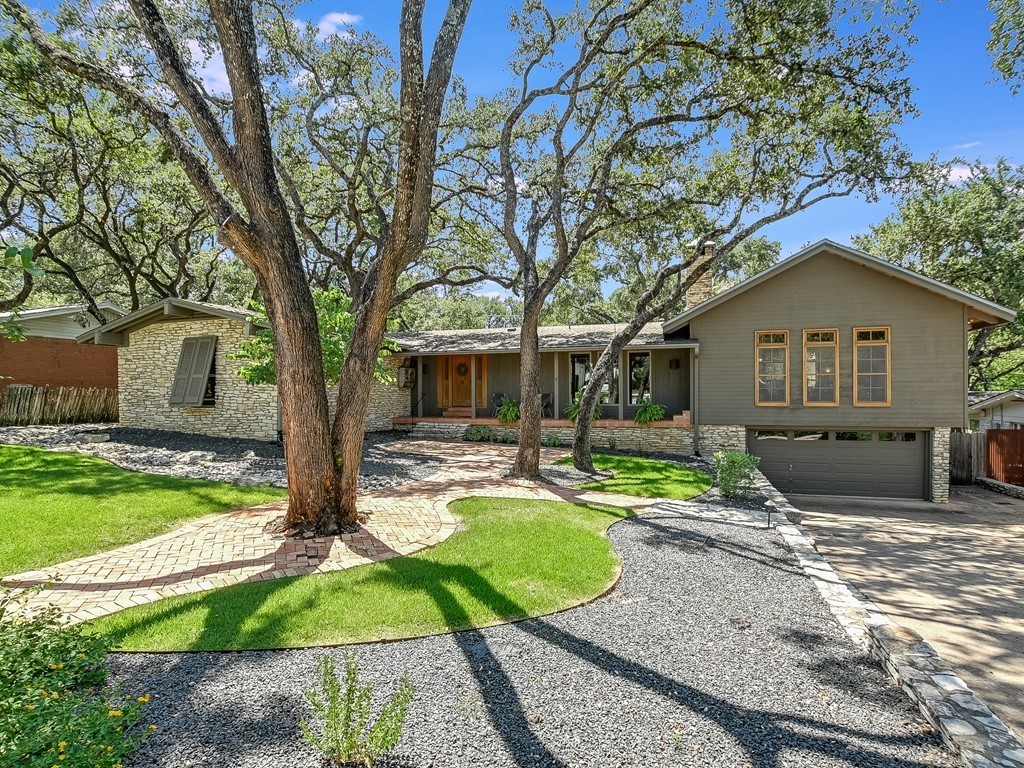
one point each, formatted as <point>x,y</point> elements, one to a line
<point>558,360</point>
<point>421,386</point>
<point>472,386</point>
<point>622,393</point>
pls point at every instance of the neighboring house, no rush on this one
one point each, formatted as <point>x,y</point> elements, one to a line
<point>49,356</point>
<point>843,372</point>
<point>997,410</point>
<point>176,372</point>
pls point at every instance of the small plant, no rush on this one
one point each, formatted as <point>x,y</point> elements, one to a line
<point>509,436</point>
<point>735,472</point>
<point>572,410</point>
<point>508,412</point>
<point>346,735</point>
<point>479,434</point>
<point>552,441</point>
<point>648,412</point>
<point>54,706</point>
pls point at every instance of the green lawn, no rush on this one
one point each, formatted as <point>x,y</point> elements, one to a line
<point>511,559</point>
<point>59,506</point>
<point>635,476</point>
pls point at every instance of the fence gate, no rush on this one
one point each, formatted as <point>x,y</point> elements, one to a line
<point>21,405</point>
<point>966,457</point>
<point>1006,455</point>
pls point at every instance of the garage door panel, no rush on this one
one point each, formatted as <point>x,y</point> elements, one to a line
<point>861,467</point>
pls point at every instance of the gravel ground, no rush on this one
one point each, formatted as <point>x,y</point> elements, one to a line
<point>713,650</point>
<point>231,460</point>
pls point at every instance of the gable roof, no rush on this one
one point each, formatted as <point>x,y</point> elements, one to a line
<point>986,312</point>
<point>66,309</point>
<point>552,337</point>
<point>169,309</point>
<point>979,401</point>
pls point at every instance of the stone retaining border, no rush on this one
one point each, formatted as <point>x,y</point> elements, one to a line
<point>1000,487</point>
<point>967,726</point>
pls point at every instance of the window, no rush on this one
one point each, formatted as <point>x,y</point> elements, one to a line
<point>772,373</point>
<point>871,384</point>
<point>580,369</point>
<point>860,437</point>
<point>639,377</point>
<point>813,435</point>
<point>769,434</point>
<point>897,437</point>
<point>821,366</point>
<point>611,384</point>
<point>195,383</point>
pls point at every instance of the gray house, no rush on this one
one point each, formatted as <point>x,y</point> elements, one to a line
<point>843,372</point>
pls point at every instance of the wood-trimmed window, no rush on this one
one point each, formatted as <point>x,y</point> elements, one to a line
<point>639,367</point>
<point>821,367</point>
<point>579,370</point>
<point>872,380</point>
<point>195,381</point>
<point>771,369</point>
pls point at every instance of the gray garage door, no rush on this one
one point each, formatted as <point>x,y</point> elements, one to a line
<point>842,463</point>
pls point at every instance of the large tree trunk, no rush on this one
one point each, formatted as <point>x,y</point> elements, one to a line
<point>582,457</point>
<point>527,463</point>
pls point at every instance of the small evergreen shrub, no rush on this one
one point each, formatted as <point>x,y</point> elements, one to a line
<point>552,441</point>
<point>479,434</point>
<point>572,410</point>
<point>510,437</point>
<point>55,708</point>
<point>735,472</point>
<point>346,734</point>
<point>648,412</point>
<point>508,412</point>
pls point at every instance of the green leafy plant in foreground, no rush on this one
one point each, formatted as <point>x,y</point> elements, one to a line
<point>735,472</point>
<point>508,412</point>
<point>55,708</point>
<point>572,410</point>
<point>346,735</point>
<point>648,412</point>
<point>479,434</point>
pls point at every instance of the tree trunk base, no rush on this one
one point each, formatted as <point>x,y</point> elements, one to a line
<point>328,528</point>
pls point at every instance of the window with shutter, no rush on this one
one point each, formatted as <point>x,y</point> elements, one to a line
<point>193,381</point>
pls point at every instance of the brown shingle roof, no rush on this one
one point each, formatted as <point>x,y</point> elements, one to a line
<point>507,339</point>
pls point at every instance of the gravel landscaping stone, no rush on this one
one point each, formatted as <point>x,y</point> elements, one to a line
<point>229,460</point>
<point>713,650</point>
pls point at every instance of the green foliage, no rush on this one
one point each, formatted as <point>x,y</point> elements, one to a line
<point>735,471</point>
<point>966,232</point>
<point>509,437</point>
<point>23,259</point>
<point>1006,44</point>
<point>508,412</point>
<point>336,326</point>
<point>648,412</point>
<point>479,434</point>
<point>551,441</point>
<point>346,733</point>
<point>54,706</point>
<point>572,410</point>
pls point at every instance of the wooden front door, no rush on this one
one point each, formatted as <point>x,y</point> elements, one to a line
<point>462,381</point>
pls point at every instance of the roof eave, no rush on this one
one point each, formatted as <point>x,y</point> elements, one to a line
<point>115,332</point>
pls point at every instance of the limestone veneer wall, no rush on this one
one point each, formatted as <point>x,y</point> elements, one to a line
<point>677,440</point>
<point>940,465</point>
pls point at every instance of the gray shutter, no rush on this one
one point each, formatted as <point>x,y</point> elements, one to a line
<point>185,365</point>
<point>202,362</point>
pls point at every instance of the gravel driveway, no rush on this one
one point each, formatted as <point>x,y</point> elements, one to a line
<point>714,650</point>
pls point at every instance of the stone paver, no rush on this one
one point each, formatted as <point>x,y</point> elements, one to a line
<point>238,546</point>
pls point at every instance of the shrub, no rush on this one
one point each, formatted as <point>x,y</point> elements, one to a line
<point>508,412</point>
<point>552,441</point>
<point>54,707</point>
<point>572,410</point>
<point>735,472</point>
<point>346,734</point>
<point>509,436</point>
<point>479,434</point>
<point>648,412</point>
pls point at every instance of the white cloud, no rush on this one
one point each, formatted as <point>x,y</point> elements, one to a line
<point>336,23</point>
<point>968,145</point>
<point>210,69</point>
<point>959,173</point>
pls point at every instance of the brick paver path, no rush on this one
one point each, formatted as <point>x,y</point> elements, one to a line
<point>236,547</point>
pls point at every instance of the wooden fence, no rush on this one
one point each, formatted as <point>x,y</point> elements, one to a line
<point>1005,449</point>
<point>20,405</point>
<point>966,457</point>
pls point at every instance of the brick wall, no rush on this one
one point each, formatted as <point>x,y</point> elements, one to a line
<point>44,362</point>
<point>146,369</point>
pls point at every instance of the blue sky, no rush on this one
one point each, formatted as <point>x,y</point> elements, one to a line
<point>965,112</point>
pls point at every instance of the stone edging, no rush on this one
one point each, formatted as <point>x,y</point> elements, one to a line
<point>999,487</point>
<point>967,726</point>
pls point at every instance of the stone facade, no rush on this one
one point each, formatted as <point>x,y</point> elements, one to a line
<point>146,369</point>
<point>676,440</point>
<point>703,287</point>
<point>940,465</point>
<point>721,437</point>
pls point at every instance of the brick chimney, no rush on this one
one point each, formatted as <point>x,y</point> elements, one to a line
<point>703,288</point>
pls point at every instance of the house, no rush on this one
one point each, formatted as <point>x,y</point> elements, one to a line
<point>996,410</point>
<point>176,371</point>
<point>842,372</point>
<point>49,356</point>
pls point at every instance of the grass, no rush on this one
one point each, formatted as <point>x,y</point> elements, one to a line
<point>636,476</point>
<point>510,559</point>
<point>60,506</point>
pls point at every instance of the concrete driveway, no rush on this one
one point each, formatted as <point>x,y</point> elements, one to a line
<point>954,573</point>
